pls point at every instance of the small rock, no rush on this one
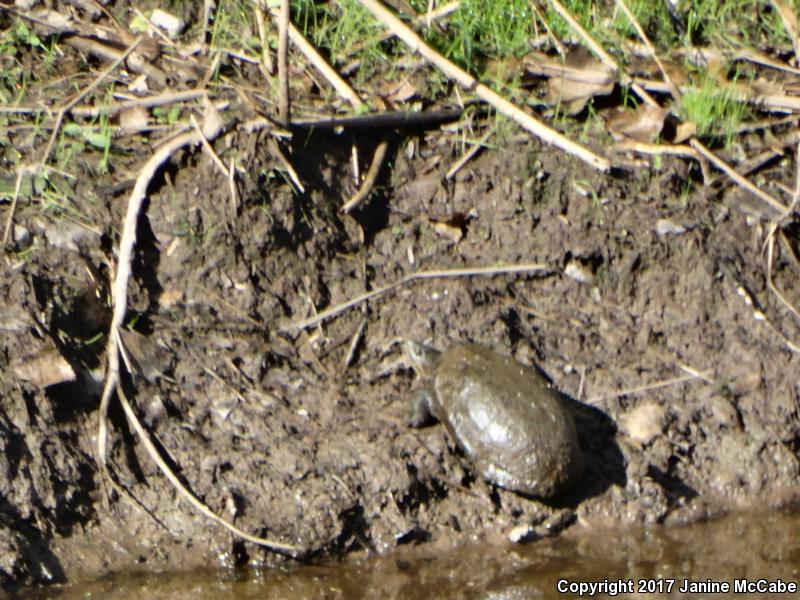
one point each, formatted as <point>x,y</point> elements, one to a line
<point>578,272</point>
<point>644,422</point>
<point>45,368</point>
<point>520,533</point>
<point>22,236</point>
<point>667,227</point>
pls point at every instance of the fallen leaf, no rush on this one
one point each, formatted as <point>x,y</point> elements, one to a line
<point>683,131</point>
<point>574,81</point>
<point>644,124</point>
<point>142,355</point>
<point>454,226</point>
<point>399,93</point>
<point>45,368</point>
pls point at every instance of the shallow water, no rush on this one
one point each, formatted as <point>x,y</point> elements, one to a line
<point>758,549</point>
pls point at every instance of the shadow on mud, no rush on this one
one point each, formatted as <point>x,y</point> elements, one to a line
<point>604,464</point>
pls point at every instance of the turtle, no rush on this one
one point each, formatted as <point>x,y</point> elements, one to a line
<point>512,426</point>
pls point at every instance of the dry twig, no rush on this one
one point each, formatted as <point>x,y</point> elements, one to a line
<point>476,147</point>
<point>741,181</point>
<point>147,102</point>
<point>598,51</point>
<point>369,179</point>
<point>276,150</point>
<point>673,88</point>
<point>283,69</point>
<point>650,386</point>
<point>317,60</point>
<point>211,129</point>
<point>340,308</point>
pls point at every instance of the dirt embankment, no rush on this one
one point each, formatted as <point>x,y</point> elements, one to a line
<point>277,432</point>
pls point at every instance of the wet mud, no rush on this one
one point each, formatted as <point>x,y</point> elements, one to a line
<point>664,340</point>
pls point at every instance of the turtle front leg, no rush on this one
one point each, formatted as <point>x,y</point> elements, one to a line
<point>422,408</point>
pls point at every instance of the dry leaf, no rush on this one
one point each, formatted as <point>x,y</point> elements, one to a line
<point>453,227</point>
<point>139,85</point>
<point>643,124</point>
<point>683,131</point>
<point>576,80</point>
<point>399,93</point>
<point>45,368</point>
<point>133,120</point>
<point>142,355</point>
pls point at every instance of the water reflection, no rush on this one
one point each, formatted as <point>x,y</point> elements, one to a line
<point>749,548</point>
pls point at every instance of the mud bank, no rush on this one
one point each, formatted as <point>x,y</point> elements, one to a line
<point>686,405</point>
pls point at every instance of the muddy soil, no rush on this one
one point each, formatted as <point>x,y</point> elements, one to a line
<point>302,435</point>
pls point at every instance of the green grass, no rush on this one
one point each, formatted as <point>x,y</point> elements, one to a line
<point>495,29</point>
<point>735,23</point>
<point>713,108</point>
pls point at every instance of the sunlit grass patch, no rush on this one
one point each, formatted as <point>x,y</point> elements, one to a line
<point>714,109</point>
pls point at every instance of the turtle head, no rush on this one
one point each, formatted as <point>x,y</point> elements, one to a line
<point>422,358</point>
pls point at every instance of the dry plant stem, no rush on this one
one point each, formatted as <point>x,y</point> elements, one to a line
<point>598,51</point>
<point>351,350</point>
<point>656,149</point>
<point>765,61</point>
<point>423,20</point>
<point>340,308</point>
<point>10,219</point>
<point>741,181</point>
<point>673,88</point>
<point>153,452</point>
<point>276,150</point>
<point>789,19</point>
<point>120,291</point>
<point>207,147</point>
<point>266,55</point>
<point>316,59</point>
<point>232,190</point>
<point>158,100</point>
<point>124,262</point>
<point>135,63</point>
<point>476,147</point>
<point>369,179</point>
<point>648,387</point>
<point>562,51</point>
<point>468,82</point>
<point>695,373</point>
<point>283,69</point>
